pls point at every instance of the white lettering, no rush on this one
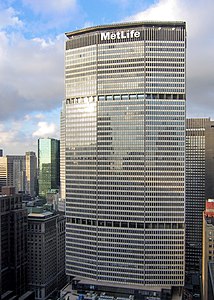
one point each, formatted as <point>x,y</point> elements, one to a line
<point>123,35</point>
<point>132,33</point>
<point>105,36</point>
<point>113,36</point>
<point>119,35</point>
<point>137,34</point>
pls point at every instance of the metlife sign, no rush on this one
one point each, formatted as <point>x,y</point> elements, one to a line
<point>119,35</point>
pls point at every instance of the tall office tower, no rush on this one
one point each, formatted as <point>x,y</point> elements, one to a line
<point>31,173</point>
<point>125,154</point>
<point>48,165</point>
<point>3,171</point>
<point>12,171</point>
<point>199,184</point>
<point>16,171</point>
<point>208,244</point>
<point>46,252</point>
<point>19,171</point>
<point>13,245</point>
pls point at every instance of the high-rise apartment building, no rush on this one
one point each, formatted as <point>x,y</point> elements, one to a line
<point>125,154</point>
<point>199,184</point>
<point>48,165</point>
<point>46,252</point>
<point>13,245</point>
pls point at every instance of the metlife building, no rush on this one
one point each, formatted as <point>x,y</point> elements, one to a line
<point>124,141</point>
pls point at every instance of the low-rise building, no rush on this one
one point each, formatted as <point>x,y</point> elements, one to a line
<point>46,252</point>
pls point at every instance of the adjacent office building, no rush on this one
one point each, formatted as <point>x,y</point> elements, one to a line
<point>13,243</point>
<point>48,165</point>
<point>19,171</point>
<point>12,171</point>
<point>199,184</point>
<point>125,154</point>
<point>46,252</point>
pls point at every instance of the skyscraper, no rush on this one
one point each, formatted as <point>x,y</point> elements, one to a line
<point>31,173</point>
<point>199,184</point>
<point>125,154</point>
<point>48,164</point>
<point>19,171</point>
<point>12,171</point>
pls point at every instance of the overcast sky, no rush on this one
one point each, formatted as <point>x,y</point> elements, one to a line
<point>32,58</point>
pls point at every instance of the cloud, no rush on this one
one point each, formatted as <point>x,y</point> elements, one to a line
<point>198,15</point>
<point>160,10</point>
<point>31,74</point>
<point>49,7</point>
<point>6,136</point>
<point>51,15</point>
<point>14,140</point>
<point>39,116</point>
<point>45,130</point>
<point>9,17</point>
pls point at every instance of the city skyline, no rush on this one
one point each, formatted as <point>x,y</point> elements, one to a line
<point>32,59</point>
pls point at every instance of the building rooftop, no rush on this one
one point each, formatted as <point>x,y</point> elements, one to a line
<point>44,214</point>
<point>209,210</point>
<point>39,213</point>
<point>125,25</point>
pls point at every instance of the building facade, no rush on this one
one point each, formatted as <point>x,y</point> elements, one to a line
<point>208,244</point>
<point>19,171</point>
<point>199,184</point>
<point>13,245</point>
<point>125,154</point>
<point>16,175</point>
<point>48,165</point>
<point>61,203</point>
<point>31,173</point>
<point>46,252</point>
<point>210,292</point>
<point>3,171</point>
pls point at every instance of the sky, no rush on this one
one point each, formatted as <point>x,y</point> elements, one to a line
<point>32,44</point>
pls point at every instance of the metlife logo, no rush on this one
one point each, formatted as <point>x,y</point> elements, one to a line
<point>119,35</point>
